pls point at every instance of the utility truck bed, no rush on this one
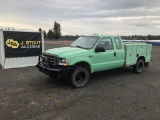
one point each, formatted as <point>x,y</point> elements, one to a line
<point>135,50</point>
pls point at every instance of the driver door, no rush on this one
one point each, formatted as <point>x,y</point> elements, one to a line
<point>104,60</point>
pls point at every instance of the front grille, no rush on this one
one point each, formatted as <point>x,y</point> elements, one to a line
<point>51,59</point>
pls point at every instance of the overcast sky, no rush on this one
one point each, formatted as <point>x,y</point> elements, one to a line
<point>83,17</point>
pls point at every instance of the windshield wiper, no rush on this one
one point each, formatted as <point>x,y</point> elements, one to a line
<point>79,47</point>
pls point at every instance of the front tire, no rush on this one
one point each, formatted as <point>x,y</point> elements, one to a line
<point>79,77</point>
<point>138,68</point>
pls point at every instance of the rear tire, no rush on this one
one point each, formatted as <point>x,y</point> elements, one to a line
<point>79,77</point>
<point>138,68</point>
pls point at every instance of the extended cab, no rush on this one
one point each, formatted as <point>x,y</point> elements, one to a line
<point>89,54</point>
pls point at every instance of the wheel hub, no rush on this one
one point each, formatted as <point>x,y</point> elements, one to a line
<point>80,78</point>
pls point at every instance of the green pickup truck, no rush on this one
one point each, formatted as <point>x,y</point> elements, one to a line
<point>90,54</point>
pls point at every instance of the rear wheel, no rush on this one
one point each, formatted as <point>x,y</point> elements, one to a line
<point>138,68</point>
<point>79,77</point>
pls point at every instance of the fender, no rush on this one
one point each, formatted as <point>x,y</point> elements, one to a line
<point>82,59</point>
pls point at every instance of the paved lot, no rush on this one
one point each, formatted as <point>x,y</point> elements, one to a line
<point>117,94</point>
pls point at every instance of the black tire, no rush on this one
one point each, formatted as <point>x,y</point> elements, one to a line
<point>138,68</point>
<point>79,77</point>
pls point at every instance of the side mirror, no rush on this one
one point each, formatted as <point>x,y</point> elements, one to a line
<point>99,49</point>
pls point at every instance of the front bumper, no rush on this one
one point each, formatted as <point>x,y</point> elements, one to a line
<point>57,70</point>
<point>53,70</point>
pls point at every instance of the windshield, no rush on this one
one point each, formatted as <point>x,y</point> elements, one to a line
<point>86,42</point>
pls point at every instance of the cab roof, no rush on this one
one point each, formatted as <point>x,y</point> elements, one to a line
<point>104,35</point>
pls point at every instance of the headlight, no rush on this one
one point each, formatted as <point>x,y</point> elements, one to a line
<point>63,61</point>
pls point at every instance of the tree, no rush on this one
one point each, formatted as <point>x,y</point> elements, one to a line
<point>40,30</point>
<point>50,34</point>
<point>45,34</point>
<point>57,30</point>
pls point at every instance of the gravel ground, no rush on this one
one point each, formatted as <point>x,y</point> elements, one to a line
<point>117,94</point>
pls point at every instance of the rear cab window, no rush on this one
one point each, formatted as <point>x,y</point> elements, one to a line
<point>118,43</point>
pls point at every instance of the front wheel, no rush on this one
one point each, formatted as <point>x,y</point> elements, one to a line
<point>138,68</point>
<point>79,77</point>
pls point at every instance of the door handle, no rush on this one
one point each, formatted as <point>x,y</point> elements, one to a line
<point>114,53</point>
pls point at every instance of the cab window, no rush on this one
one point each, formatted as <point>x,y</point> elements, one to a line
<point>118,43</point>
<point>106,43</point>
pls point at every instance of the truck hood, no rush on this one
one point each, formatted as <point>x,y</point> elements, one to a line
<point>66,51</point>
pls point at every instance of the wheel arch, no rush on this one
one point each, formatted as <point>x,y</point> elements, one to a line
<point>84,64</point>
<point>143,58</point>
